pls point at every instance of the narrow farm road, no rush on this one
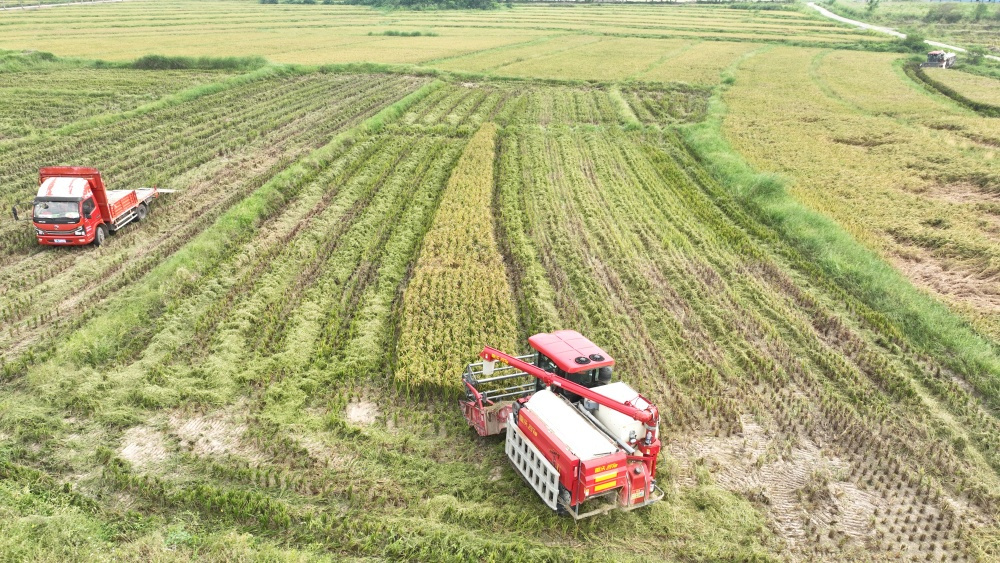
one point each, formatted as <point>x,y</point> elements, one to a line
<point>863,25</point>
<point>827,13</point>
<point>37,6</point>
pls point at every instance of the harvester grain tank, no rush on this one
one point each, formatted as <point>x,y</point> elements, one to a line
<point>584,444</point>
<point>939,59</point>
<point>73,207</point>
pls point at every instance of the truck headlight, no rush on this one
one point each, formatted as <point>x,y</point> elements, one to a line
<point>39,232</point>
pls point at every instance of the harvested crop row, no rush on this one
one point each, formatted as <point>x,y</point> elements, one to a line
<point>53,98</point>
<point>458,298</point>
<point>212,179</point>
<point>641,258</point>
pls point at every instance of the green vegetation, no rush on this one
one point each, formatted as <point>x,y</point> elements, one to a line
<point>788,245</point>
<point>394,33</point>
<point>160,62</point>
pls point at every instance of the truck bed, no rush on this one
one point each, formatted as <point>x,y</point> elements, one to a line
<point>122,201</point>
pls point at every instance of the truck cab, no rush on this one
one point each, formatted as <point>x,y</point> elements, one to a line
<point>64,212</point>
<point>73,208</point>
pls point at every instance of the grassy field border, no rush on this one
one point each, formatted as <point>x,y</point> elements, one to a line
<point>927,322</point>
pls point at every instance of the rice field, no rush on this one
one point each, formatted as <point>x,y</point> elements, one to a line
<point>268,367</point>
<point>980,89</point>
<point>319,34</point>
<point>38,100</point>
<point>906,170</point>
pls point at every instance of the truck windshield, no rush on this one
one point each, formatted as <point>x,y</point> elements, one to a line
<point>57,211</point>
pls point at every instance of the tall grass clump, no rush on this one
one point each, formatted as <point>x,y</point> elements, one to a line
<point>161,62</point>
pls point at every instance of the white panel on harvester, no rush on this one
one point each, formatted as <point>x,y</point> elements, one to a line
<point>620,425</point>
<point>567,424</point>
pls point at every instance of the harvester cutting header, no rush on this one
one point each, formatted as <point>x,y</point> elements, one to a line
<point>571,433</point>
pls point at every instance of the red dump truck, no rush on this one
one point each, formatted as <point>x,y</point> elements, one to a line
<point>74,208</point>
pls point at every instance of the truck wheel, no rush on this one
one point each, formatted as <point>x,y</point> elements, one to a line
<point>142,212</point>
<point>100,235</point>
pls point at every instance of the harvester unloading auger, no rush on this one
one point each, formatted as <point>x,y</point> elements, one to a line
<point>572,434</point>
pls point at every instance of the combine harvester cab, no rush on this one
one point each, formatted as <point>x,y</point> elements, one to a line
<point>584,444</point>
<point>939,59</point>
<point>73,208</point>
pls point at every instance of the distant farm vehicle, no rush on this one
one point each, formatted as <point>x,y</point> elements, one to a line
<point>573,435</point>
<point>939,59</point>
<point>73,208</point>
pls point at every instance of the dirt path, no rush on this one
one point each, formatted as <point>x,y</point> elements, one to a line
<point>886,30</point>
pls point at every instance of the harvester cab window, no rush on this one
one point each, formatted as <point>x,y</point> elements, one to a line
<point>546,364</point>
<point>88,207</point>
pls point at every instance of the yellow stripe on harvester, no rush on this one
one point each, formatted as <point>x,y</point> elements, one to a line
<point>606,475</point>
<point>607,485</point>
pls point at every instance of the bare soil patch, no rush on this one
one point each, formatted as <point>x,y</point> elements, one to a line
<point>961,192</point>
<point>803,490</point>
<point>982,293</point>
<point>144,447</point>
<point>211,434</point>
<point>362,412</point>
<point>324,453</point>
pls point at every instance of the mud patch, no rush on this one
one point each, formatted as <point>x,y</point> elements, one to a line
<point>981,293</point>
<point>362,412</point>
<point>144,447</point>
<point>496,474</point>
<point>212,434</point>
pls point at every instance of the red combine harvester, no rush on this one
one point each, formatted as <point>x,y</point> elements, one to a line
<point>572,434</point>
<point>74,208</point>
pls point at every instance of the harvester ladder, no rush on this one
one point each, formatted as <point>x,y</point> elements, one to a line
<point>534,468</point>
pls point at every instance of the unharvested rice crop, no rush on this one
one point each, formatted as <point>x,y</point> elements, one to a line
<point>921,193</point>
<point>460,273</point>
<point>590,61</point>
<point>981,89</point>
<point>316,34</point>
<point>700,63</point>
